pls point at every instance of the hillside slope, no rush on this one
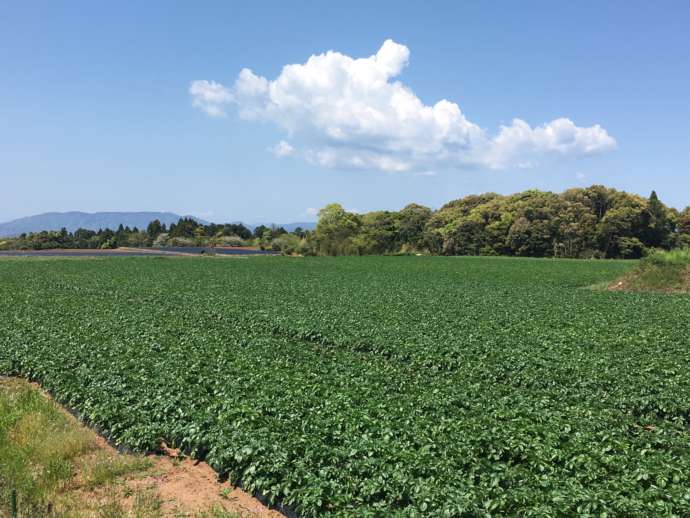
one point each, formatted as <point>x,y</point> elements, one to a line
<point>92,221</point>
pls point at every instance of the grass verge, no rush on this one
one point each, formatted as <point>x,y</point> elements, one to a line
<point>663,272</point>
<point>55,467</point>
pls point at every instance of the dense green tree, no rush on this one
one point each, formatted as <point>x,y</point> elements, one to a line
<point>260,230</point>
<point>683,228</point>
<point>412,227</point>
<point>236,229</point>
<point>377,233</point>
<point>536,223</point>
<point>287,243</point>
<point>684,221</point>
<point>455,222</point>
<point>630,247</point>
<point>468,237</point>
<point>335,230</point>
<point>660,228</point>
<point>185,227</point>
<point>628,218</point>
<point>597,197</point>
<point>84,238</point>
<point>154,229</point>
<point>577,229</point>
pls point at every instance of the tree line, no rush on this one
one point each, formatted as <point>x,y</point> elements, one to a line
<point>186,232</point>
<point>592,222</point>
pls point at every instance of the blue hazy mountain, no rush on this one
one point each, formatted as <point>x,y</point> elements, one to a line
<point>92,221</point>
<point>97,220</point>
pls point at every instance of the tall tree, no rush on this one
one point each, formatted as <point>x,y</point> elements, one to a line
<point>412,222</point>
<point>659,230</point>
<point>184,228</point>
<point>154,229</point>
<point>684,228</point>
<point>335,229</point>
<point>260,230</point>
<point>377,233</point>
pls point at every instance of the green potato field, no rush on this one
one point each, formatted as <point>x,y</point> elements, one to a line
<point>373,386</point>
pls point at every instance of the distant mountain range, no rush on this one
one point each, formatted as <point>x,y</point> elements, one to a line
<point>304,225</point>
<point>97,220</point>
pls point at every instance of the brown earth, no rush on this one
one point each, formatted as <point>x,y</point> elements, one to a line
<point>193,486</point>
<point>186,487</point>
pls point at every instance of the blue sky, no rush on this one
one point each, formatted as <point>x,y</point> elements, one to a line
<point>96,112</point>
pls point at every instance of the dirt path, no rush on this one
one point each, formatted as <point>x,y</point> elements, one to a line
<point>184,485</point>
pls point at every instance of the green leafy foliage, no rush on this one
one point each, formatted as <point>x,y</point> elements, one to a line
<point>186,232</point>
<point>579,223</point>
<point>374,386</point>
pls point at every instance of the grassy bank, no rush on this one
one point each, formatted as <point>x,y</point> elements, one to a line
<point>52,466</point>
<point>56,467</point>
<point>667,272</point>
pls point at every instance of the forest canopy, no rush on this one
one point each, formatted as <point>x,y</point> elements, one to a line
<point>580,223</point>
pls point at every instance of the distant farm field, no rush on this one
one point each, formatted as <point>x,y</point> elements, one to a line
<point>416,386</point>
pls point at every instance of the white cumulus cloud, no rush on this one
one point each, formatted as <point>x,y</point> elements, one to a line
<point>352,113</point>
<point>210,97</point>
<point>519,141</point>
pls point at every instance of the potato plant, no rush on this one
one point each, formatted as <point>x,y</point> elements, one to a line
<point>379,386</point>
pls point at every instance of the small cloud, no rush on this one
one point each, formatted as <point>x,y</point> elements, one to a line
<point>210,97</point>
<point>282,149</point>
<point>426,173</point>
<point>311,211</point>
<point>581,177</point>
